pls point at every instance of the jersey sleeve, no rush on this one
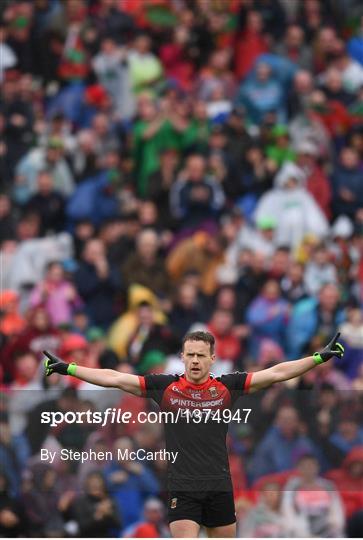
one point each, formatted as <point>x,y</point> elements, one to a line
<point>238,383</point>
<point>153,386</point>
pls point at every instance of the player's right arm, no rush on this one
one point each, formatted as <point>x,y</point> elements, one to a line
<point>108,378</point>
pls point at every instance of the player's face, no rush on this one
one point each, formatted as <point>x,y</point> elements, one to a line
<point>198,359</point>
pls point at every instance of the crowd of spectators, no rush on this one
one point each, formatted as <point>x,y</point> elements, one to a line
<point>172,165</point>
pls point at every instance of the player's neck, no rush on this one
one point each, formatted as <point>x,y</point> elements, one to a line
<point>199,382</point>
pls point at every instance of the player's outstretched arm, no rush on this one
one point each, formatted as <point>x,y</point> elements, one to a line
<point>101,377</point>
<point>289,370</point>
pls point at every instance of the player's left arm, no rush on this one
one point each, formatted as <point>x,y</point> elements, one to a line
<point>289,370</point>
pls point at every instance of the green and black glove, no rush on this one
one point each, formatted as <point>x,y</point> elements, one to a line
<point>334,348</point>
<point>55,365</point>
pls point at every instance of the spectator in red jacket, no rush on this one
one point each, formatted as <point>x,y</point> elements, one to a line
<point>153,525</point>
<point>317,182</point>
<point>228,346</point>
<point>250,44</point>
<point>348,479</point>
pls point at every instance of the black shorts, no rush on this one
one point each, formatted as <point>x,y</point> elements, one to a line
<point>208,508</point>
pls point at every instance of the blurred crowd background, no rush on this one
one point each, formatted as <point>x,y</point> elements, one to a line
<point>173,165</point>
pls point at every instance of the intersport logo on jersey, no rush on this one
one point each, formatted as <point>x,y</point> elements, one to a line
<point>199,404</point>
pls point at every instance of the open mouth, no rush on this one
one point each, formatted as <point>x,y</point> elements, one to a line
<point>195,370</point>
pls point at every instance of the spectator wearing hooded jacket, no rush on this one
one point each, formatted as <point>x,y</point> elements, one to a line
<point>348,479</point>
<point>317,182</point>
<point>294,209</point>
<point>262,94</point>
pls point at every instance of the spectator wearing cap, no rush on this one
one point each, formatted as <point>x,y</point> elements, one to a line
<point>39,159</point>
<point>279,150</point>
<point>261,239</point>
<point>101,355</point>
<point>294,209</point>
<point>95,100</point>
<point>97,283</point>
